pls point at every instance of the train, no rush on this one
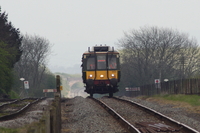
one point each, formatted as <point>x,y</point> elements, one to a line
<point>101,70</point>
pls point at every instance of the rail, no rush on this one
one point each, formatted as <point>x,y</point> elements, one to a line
<point>20,111</point>
<point>182,127</point>
<point>119,118</point>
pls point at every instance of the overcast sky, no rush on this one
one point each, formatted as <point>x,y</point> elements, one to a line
<point>74,25</point>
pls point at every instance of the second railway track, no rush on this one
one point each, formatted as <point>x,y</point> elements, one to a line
<point>140,119</point>
<point>14,108</point>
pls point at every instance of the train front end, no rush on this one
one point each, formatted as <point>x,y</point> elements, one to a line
<point>101,70</point>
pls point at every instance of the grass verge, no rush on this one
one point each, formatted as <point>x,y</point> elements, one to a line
<point>193,100</point>
<point>7,130</point>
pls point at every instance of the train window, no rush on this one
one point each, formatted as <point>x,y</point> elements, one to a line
<point>101,61</point>
<point>91,63</point>
<point>112,62</point>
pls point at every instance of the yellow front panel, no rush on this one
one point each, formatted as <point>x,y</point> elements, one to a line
<point>114,73</point>
<point>90,75</point>
<point>102,75</point>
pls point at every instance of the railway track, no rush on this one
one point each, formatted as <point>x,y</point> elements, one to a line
<point>140,119</point>
<point>14,108</point>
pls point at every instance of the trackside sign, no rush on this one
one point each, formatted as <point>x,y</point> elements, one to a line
<point>157,81</point>
<point>132,88</point>
<point>49,90</point>
<point>26,85</point>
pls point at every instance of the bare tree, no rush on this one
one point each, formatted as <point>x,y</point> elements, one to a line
<point>32,64</point>
<point>155,53</point>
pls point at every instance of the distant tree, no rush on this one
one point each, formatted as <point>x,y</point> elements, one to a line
<point>33,61</point>
<point>48,82</point>
<point>10,42</point>
<point>157,53</point>
<point>77,85</point>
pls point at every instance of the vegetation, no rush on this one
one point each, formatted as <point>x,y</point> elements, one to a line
<point>77,85</point>
<point>193,100</point>
<point>66,79</point>
<point>65,75</point>
<point>28,57</point>
<point>5,69</point>
<point>13,95</point>
<point>10,52</point>
<point>25,129</point>
<point>10,36</point>
<point>157,53</point>
<point>9,130</point>
<point>32,65</point>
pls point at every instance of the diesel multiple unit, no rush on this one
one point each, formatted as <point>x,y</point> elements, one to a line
<point>101,70</point>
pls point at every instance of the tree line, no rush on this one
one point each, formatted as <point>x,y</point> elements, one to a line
<point>151,53</point>
<point>147,54</point>
<point>23,56</point>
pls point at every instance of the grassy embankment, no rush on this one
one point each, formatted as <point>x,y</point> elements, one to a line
<point>29,128</point>
<point>25,129</point>
<point>191,103</point>
<point>193,100</point>
<point>7,130</point>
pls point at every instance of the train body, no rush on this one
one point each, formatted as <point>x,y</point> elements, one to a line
<point>101,70</point>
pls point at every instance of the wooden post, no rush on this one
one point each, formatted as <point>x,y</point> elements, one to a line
<point>57,100</point>
<point>58,83</point>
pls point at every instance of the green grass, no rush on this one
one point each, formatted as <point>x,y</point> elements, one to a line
<point>193,100</point>
<point>3,114</point>
<point>7,130</point>
<point>33,127</point>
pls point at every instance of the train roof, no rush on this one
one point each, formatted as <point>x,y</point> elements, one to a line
<point>101,49</point>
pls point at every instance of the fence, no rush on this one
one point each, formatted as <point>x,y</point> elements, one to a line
<point>183,86</point>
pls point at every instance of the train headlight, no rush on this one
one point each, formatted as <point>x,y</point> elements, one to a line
<point>101,76</point>
<point>90,75</point>
<point>113,75</point>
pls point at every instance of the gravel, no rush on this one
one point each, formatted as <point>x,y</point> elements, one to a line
<point>82,115</point>
<point>180,114</point>
<point>130,113</point>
